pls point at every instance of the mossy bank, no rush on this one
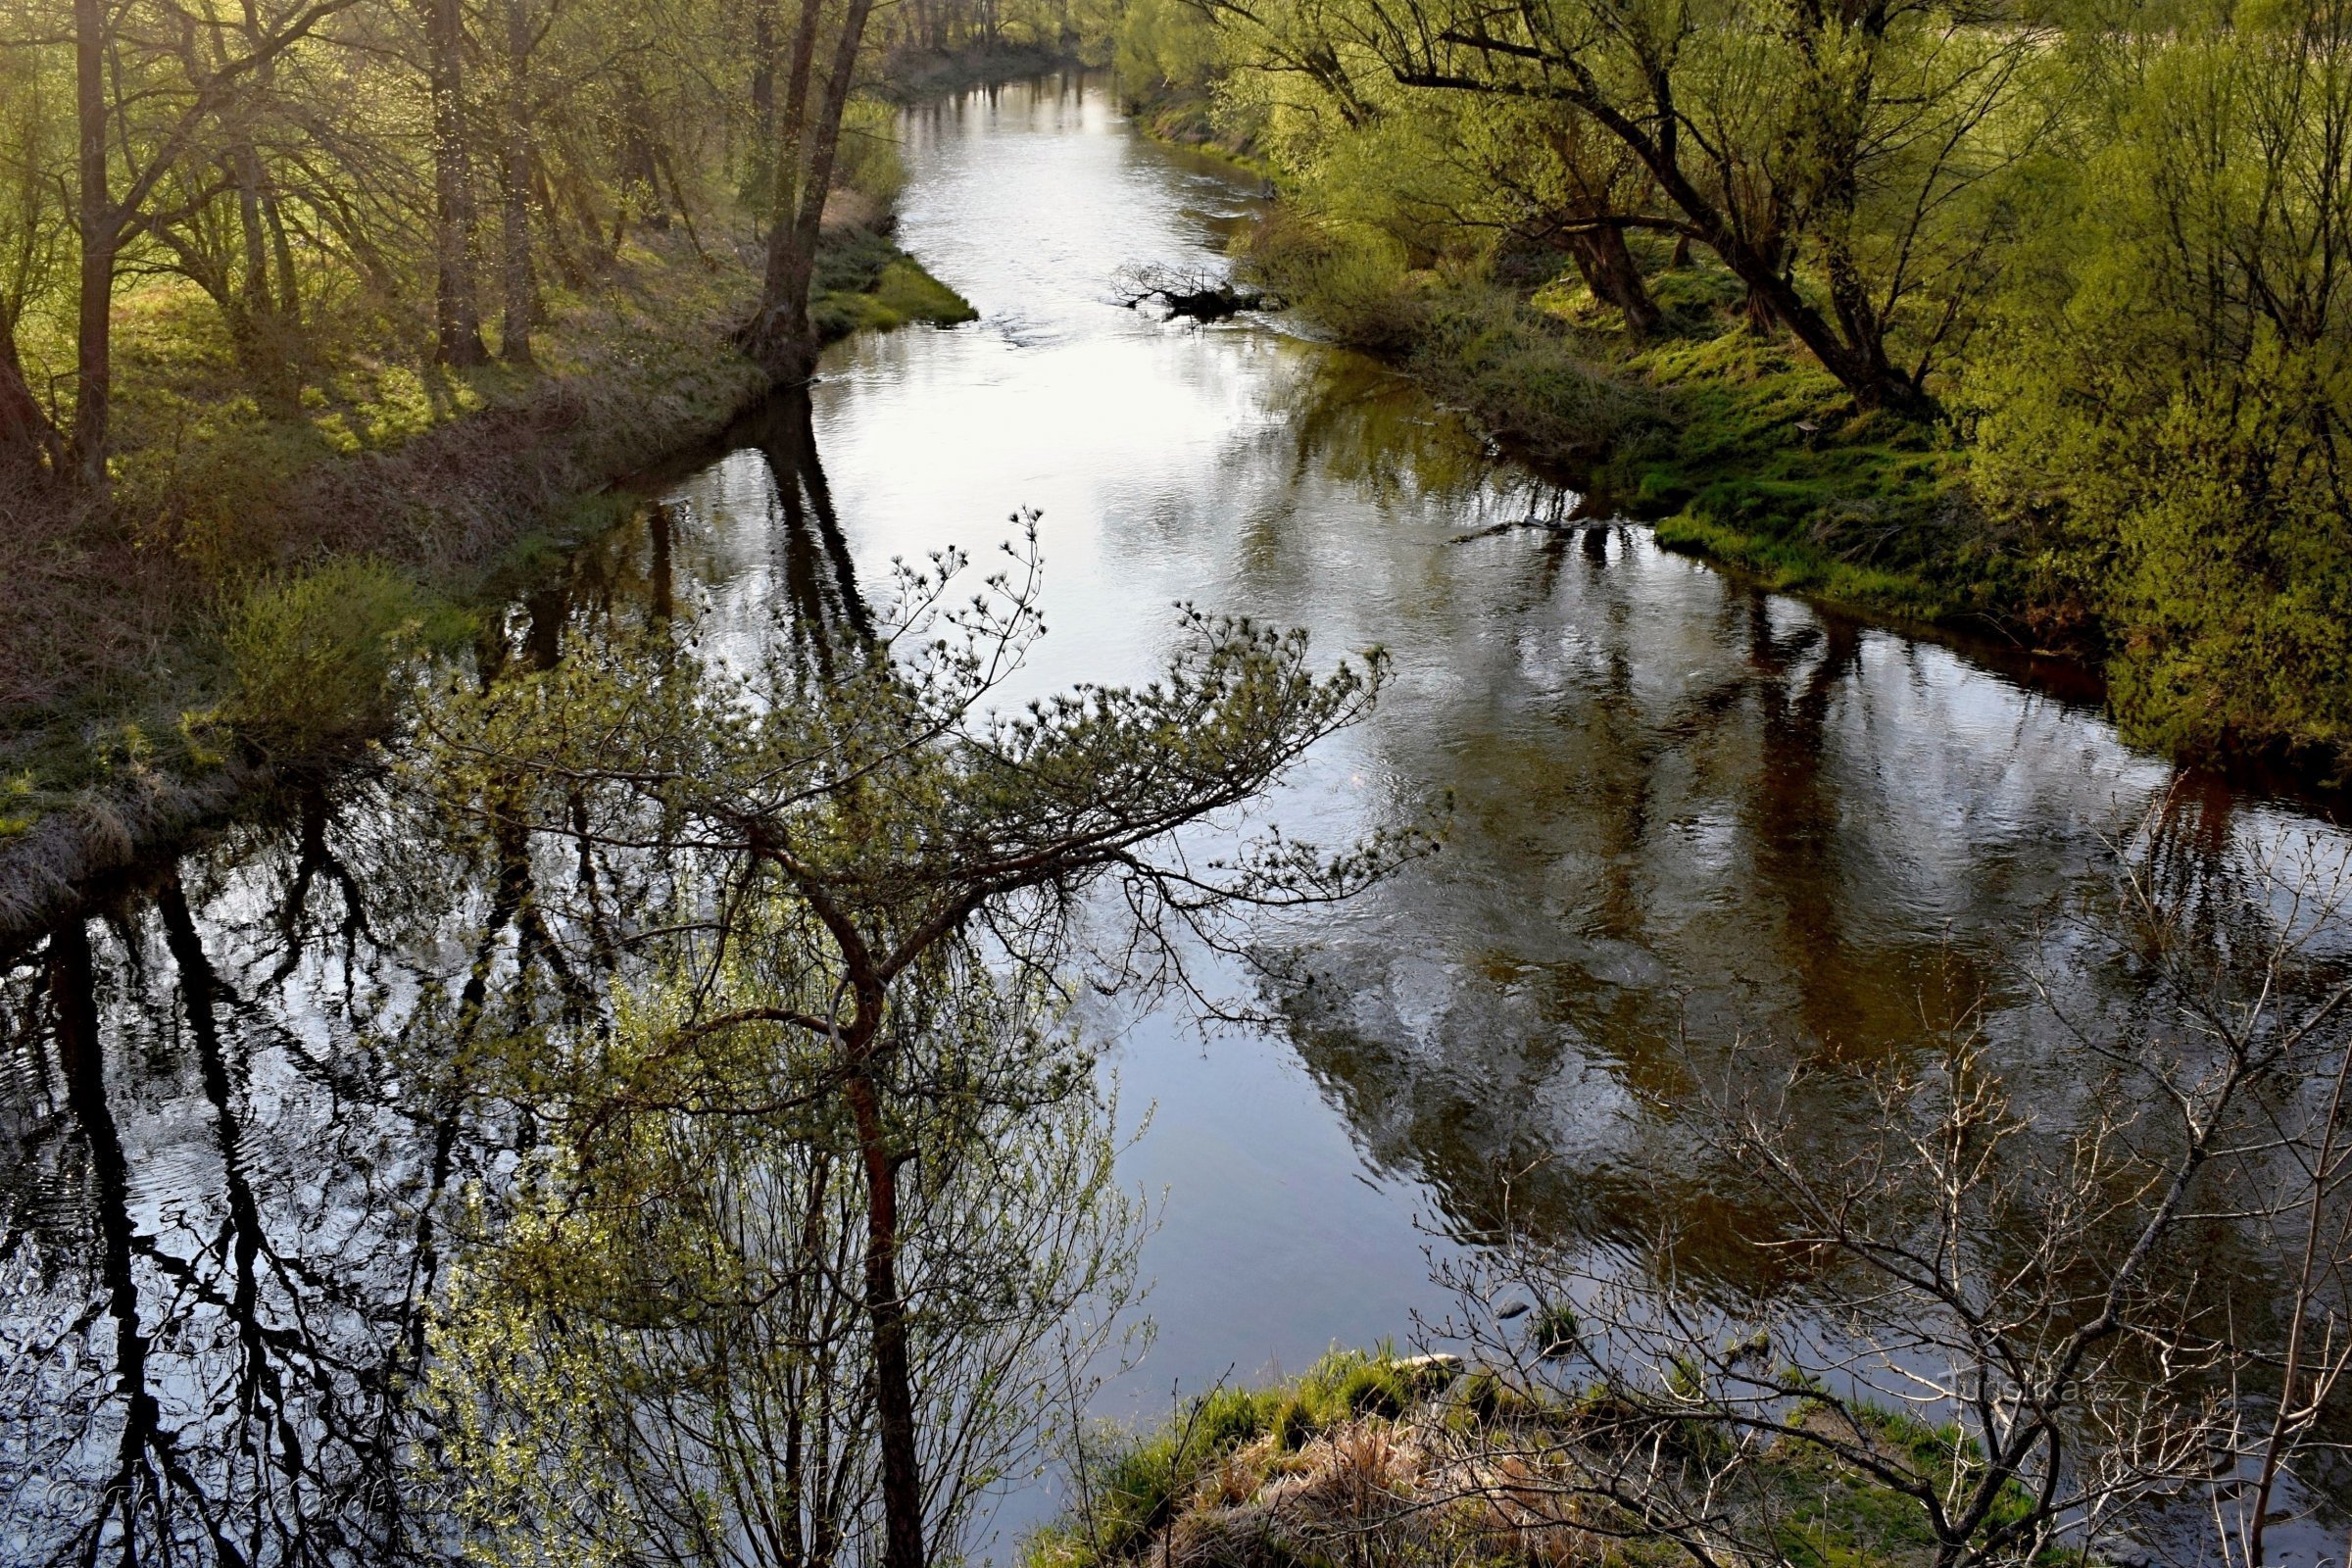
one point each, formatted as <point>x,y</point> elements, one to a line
<point>2067,373</point>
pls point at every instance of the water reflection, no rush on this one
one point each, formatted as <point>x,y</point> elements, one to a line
<point>221,1220</point>
<point>1699,827</point>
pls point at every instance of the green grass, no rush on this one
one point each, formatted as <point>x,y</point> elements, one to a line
<point>1858,508</point>
<point>864,283</point>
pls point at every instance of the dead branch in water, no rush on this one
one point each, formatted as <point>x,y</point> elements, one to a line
<point>1197,295</point>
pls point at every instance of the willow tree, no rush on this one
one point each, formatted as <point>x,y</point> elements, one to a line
<point>1846,159</point>
<point>864,819</point>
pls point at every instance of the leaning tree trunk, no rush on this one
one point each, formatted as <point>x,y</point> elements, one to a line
<point>1860,367</point>
<point>1607,266</point>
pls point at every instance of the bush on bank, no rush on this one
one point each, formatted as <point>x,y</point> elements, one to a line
<point>1415,1462</point>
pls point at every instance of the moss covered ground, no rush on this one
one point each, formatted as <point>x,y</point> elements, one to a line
<point>1753,455</point>
<point>1760,461</point>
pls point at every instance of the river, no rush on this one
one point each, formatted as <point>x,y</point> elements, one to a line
<point>1688,816</point>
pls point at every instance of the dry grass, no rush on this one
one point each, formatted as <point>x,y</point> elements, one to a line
<point>1375,1492</point>
<point>1373,1462</point>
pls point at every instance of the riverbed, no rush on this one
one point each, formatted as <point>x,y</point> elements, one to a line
<point>1689,822</point>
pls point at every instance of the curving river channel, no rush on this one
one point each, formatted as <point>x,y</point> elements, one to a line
<point>1686,813</point>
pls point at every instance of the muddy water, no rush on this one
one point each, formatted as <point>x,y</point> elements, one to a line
<point>1689,818</point>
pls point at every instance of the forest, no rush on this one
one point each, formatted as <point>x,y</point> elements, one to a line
<point>570,949</point>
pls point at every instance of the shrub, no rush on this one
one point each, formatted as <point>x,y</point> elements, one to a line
<point>2202,520</point>
<point>313,655</point>
<point>1354,288</point>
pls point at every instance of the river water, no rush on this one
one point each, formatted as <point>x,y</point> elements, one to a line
<point>1689,817</point>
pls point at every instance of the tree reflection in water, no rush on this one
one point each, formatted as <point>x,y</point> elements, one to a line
<point>238,1114</point>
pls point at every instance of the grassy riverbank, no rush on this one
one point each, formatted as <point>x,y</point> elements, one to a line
<point>2198,576</point>
<point>233,611</point>
<point>1371,1458</point>
<point>1735,444</point>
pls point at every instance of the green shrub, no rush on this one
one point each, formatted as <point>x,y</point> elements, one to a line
<point>1375,1389</point>
<point>1527,378</point>
<point>1296,1425</point>
<point>313,655</point>
<point>2199,514</point>
<point>1354,287</point>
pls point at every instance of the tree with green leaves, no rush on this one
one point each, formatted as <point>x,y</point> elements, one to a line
<point>866,829</point>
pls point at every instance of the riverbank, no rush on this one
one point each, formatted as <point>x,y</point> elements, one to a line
<point>915,74</point>
<point>158,677</point>
<point>1732,444</point>
<point>1371,1458</point>
<point>1735,446</point>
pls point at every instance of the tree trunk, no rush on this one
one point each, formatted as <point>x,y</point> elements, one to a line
<point>570,269</point>
<point>457,316</point>
<point>262,321</point>
<point>761,183</point>
<point>259,301</point>
<point>893,1380</point>
<point>792,264</point>
<point>1861,368</point>
<point>289,285</point>
<point>1758,261</point>
<point>101,235</point>
<point>27,441</point>
<point>640,175</point>
<point>514,192</point>
<point>1609,271</point>
<point>779,336</point>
